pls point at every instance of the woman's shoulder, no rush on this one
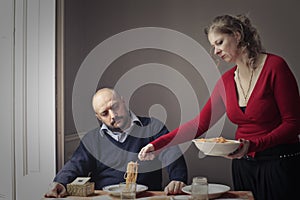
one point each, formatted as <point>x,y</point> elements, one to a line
<point>276,63</point>
<point>273,58</point>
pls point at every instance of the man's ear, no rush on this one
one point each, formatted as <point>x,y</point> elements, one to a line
<point>100,122</point>
<point>98,118</point>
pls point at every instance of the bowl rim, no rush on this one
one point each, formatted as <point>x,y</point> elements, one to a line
<point>213,148</point>
<point>230,141</point>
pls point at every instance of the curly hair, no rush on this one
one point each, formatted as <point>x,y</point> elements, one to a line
<point>250,39</point>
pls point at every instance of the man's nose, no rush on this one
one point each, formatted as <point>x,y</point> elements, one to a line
<point>112,113</point>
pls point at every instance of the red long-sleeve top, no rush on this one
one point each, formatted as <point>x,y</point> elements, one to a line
<point>272,115</point>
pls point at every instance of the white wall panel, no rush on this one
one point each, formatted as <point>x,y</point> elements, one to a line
<point>31,51</point>
<point>34,97</point>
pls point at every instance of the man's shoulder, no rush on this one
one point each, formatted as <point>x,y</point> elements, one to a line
<point>146,121</point>
<point>91,140</point>
<point>92,134</point>
<point>152,126</point>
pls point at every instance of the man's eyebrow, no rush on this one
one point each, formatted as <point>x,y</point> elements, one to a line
<point>103,110</point>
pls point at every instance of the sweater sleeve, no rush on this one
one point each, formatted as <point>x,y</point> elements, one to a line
<point>177,170</point>
<point>286,95</point>
<point>173,159</point>
<point>80,164</point>
<point>213,110</point>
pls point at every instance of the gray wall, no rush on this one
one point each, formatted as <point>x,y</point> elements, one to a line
<point>90,22</point>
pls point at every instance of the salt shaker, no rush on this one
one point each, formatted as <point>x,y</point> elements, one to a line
<point>199,188</point>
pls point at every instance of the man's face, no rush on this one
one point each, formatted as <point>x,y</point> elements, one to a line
<point>111,110</point>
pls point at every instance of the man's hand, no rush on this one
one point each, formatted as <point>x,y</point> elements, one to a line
<point>174,187</point>
<point>146,153</point>
<point>56,190</point>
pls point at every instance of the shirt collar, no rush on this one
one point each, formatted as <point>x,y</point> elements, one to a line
<point>135,119</point>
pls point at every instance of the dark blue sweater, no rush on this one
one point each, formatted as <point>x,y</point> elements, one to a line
<point>105,159</point>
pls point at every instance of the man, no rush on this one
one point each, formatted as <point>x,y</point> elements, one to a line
<point>103,153</point>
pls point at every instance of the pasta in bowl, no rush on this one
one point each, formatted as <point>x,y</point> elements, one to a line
<point>218,146</point>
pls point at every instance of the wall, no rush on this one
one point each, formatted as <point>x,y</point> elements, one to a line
<point>180,87</point>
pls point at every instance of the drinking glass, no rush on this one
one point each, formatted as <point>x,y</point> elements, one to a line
<point>128,191</point>
<point>199,188</point>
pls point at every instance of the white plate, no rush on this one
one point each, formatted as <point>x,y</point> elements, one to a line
<point>115,189</point>
<point>214,190</point>
<point>164,197</point>
<point>181,197</point>
<point>156,198</point>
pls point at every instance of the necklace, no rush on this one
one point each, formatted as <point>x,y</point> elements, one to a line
<point>243,91</point>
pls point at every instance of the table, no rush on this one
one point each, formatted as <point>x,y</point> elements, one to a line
<point>102,195</point>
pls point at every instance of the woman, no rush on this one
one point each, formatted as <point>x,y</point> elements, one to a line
<point>260,95</point>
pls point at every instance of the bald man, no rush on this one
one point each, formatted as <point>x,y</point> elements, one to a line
<point>103,153</point>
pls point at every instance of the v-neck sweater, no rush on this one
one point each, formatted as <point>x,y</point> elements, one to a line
<point>272,116</point>
<point>105,160</point>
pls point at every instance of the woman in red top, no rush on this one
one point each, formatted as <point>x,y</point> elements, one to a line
<point>260,95</point>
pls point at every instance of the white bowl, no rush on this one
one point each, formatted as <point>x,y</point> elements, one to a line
<point>212,148</point>
<point>214,190</point>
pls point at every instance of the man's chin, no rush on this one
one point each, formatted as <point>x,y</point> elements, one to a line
<point>116,128</point>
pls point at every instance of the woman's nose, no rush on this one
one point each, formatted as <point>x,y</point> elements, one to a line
<point>217,51</point>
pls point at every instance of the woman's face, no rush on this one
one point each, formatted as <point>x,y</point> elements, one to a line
<point>225,45</point>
